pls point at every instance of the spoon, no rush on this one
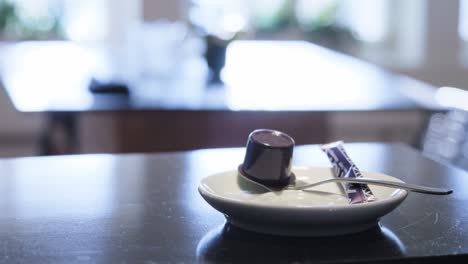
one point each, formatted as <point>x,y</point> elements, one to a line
<point>370,181</point>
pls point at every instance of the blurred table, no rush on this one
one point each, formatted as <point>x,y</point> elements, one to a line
<point>310,92</point>
<point>145,208</point>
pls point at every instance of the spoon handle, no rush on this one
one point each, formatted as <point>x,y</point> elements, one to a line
<point>371,181</point>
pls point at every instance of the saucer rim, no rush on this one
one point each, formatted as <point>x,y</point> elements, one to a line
<point>399,195</point>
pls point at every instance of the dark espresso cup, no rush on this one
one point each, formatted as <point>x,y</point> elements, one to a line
<point>268,158</point>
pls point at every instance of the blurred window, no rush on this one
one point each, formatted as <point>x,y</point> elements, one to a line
<point>388,32</point>
<point>30,19</point>
<point>366,19</point>
<point>85,20</point>
<point>463,20</point>
<point>463,32</point>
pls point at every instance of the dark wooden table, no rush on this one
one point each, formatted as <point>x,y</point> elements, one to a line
<point>305,90</point>
<point>145,208</point>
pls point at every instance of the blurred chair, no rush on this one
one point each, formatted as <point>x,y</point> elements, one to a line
<point>446,138</point>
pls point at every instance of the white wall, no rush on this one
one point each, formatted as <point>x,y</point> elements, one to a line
<point>167,9</point>
<point>436,43</point>
<point>442,64</point>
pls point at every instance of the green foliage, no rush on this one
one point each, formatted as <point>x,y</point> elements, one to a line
<point>13,27</point>
<point>7,14</point>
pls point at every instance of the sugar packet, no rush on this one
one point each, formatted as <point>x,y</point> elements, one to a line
<point>344,167</point>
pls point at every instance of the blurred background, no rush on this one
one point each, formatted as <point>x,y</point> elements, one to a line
<point>424,39</point>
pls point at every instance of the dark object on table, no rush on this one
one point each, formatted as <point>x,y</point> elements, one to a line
<point>108,87</point>
<point>268,158</point>
<point>215,56</point>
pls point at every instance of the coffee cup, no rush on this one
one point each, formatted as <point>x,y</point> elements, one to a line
<point>268,158</point>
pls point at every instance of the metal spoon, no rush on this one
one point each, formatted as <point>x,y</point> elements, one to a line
<point>371,181</point>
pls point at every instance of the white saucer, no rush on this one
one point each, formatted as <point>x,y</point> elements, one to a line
<point>321,211</point>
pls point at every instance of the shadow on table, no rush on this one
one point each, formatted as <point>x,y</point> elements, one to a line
<point>228,243</point>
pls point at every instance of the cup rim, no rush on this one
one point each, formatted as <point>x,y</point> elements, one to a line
<point>252,139</point>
